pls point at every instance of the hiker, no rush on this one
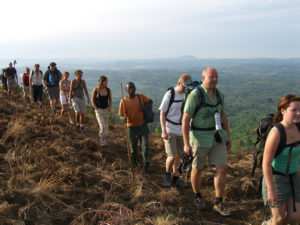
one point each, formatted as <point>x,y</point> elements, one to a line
<point>131,112</point>
<point>207,137</point>
<point>77,97</point>
<point>36,84</point>
<point>12,78</point>
<point>281,181</point>
<point>4,80</point>
<point>25,83</point>
<point>102,102</point>
<point>171,131</point>
<point>51,80</point>
<point>64,86</point>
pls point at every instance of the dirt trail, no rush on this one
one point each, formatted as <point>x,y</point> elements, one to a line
<point>52,173</point>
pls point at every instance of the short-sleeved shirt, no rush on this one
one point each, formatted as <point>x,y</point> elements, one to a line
<point>133,112</point>
<point>204,118</point>
<point>11,72</point>
<point>174,113</point>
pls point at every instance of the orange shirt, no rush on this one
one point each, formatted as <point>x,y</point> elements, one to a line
<point>133,112</point>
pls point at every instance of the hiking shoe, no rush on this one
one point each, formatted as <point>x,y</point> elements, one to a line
<point>220,209</point>
<point>200,203</point>
<point>266,222</point>
<point>180,184</point>
<point>72,122</point>
<point>166,180</point>
<point>81,127</point>
<point>102,142</point>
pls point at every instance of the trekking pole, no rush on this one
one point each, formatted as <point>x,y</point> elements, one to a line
<point>125,125</point>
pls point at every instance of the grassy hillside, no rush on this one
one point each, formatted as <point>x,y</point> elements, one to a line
<point>52,173</point>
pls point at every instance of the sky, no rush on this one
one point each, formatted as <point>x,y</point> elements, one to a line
<point>141,29</point>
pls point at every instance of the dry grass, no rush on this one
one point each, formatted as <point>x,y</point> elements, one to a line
<point>50,173</point>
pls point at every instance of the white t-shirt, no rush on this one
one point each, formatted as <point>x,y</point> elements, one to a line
<point>36,79</point>
<point>174,113</point>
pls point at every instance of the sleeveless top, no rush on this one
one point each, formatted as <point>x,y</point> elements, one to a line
<point>279,163</point>
<point>78,89</point>
<point>102,101</point>
<point>25,79</point>
<point>65,86</point>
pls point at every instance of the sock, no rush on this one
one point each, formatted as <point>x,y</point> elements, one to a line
<point>218,200</point>
<point>198,195</point>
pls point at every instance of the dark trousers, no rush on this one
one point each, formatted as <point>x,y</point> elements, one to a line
<point>37,93</point>
<point>135,134</point>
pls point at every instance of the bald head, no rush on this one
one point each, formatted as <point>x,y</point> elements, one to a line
<point>209,77</point>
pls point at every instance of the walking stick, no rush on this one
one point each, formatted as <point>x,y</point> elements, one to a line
<point>125,125</point>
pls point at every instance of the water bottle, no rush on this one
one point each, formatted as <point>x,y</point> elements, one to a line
<point>218,120</point>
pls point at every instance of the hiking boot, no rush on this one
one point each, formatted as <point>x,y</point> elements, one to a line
<point>180,184</point>
<point>266,222</point>
<point>200,203</point>
<point>166,180</point>
<point>220,209</point>
<point>81,127</point>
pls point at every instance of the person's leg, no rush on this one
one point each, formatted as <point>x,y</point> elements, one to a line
<point>63,109</point>
<point>292,217</point>
<point>133,140</point>
<point>220,180</point>
<point>279,215</point>
<point>81,118</point>
<point>105,123</point>
<point>101,122</point>
<point>196,180</point>
<point>144,144</point>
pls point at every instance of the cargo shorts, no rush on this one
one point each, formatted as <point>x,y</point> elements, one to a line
<point>217,155</point>
<point>174,145</point>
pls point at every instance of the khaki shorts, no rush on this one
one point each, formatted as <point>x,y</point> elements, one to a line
<point>217,155</point>
<point>174,145</point>
<point>11,83</point>
<point>78,105</point>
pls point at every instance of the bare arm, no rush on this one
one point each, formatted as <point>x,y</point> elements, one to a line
<point>226,126</point>
<point>30,81</point>
<point>269,153</point>
<point>186,119</point>
<point>71,91</point>
<point>164,133</point>
<point>92,100</point>
<point>110,102</point>
<point>16,75</point>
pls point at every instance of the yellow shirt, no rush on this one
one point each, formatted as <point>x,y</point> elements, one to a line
<point>133,112</point>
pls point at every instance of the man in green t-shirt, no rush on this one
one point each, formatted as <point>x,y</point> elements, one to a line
<point>207,138</point>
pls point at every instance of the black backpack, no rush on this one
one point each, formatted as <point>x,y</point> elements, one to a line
<point>190,85</point>
<point>262,131</point>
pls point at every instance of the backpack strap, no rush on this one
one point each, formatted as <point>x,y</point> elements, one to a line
<point>141,105</point>
<point>171,99</point>
<point>282,141</point>
<point>203,104</point>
